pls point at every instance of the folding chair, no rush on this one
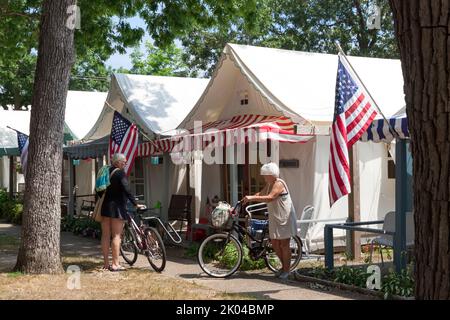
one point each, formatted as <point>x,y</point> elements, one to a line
<point>180,209</point>
<point>307,214</point>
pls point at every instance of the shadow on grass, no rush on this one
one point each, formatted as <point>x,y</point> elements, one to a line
<point>86,264</point>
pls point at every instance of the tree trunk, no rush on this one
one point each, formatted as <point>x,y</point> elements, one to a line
<point>40,248</point>
<point>422,29</point>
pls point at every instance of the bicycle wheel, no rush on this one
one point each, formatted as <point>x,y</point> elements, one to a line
<point>274,263</point>
<point>128,246</point>
<point>220,255</point>
<point>155,252</point>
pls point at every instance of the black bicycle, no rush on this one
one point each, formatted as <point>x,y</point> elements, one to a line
<point>220,255</point>
<point>142,239</point>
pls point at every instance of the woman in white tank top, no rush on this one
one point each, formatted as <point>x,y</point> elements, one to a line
<point>282,216</point>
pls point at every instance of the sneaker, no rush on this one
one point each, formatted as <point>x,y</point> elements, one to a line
<point>284,275</point>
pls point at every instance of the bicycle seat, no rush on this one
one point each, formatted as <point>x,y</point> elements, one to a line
<point>142,209</point>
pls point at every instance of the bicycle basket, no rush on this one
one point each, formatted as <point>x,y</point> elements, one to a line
<point>221,216</point>
<point>258,225</point>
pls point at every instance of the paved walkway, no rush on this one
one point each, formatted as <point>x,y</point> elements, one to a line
<point>260,284</point>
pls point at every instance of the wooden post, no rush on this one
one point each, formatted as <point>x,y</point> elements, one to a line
<point>233,159</point>
<point>401,190</point>
<point>354,214</point>
<point>165,196</point>
<point>70,208</point>
<point>12,176</point>
<point>188,179</point>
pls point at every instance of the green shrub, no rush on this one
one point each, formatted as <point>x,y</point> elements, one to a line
<point>249,264</point>
<point>3,200</point>
<point>401,284</point>
<point>352,276</point>
<point>229,256</point>
<point>16,213</point>
<point>321,273</point>
<point>192,250</point>
<point>81,226</point>
<point>11,210</point>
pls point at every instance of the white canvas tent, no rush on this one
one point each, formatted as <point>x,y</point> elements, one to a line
<point>82,109</point>
<point>157,105</point>
<point>301,86</point>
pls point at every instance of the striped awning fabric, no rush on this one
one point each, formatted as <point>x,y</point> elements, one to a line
<point>227,132</point>
<point>379,130</point>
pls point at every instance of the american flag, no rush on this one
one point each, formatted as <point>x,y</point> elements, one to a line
<point>353,114</point>
<point>123,139</point>
<point>22,140</point>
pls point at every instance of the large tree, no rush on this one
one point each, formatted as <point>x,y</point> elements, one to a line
<point>40,247</point>
<point>423,32</point>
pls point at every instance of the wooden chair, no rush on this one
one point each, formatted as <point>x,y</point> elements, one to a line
<point>180,209</point>
<point>87,207</point>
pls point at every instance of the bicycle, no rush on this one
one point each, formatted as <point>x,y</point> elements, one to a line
<point>220,255</point>
<point>142,239</point>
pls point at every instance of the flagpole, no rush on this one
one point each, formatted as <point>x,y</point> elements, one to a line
<point>12,129</point>
<point>368,92</point>
<point>140,130</point>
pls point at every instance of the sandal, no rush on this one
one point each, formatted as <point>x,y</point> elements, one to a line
<point>105,268</point>
<point>119,268</point>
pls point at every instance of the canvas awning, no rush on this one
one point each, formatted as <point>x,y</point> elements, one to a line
<point>238,129</point>
<point>93,149</point>
<point>82,109</point>
<point>19,120</point>
<point>381,131</point>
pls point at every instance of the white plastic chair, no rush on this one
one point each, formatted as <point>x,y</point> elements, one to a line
<point>387,240</point>
<point>307,214</point>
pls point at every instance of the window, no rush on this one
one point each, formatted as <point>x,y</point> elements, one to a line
<point>243,95</point>
<point>391,165</point>
<point>137,178</point>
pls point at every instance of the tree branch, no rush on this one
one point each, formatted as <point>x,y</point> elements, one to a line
<point>19,14</point>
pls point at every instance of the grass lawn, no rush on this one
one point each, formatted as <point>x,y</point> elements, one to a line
<point>131,284</point>
<point>134,284</point>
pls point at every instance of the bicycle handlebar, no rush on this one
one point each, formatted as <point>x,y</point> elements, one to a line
<point>236,210</point>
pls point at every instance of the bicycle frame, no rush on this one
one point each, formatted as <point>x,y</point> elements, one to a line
<point>142,245</point>
<point>242,231</point>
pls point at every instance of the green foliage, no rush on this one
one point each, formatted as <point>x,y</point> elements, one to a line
<point>352,276</point>
<point>14,274</point>
<point>249,264</point>
<point>3,196</point>
<point>401,284</point>
<point>10,210</point>
<point>321,273</point>
<point>81,226</point>
<point>105,30</point>
<point>309,25</point>
<point>158,61</point>
<point>90,73</point>
<point>192,250</point>
<point>230,257</point>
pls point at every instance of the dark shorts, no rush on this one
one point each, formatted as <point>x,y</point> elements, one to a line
<point>112,209</point>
